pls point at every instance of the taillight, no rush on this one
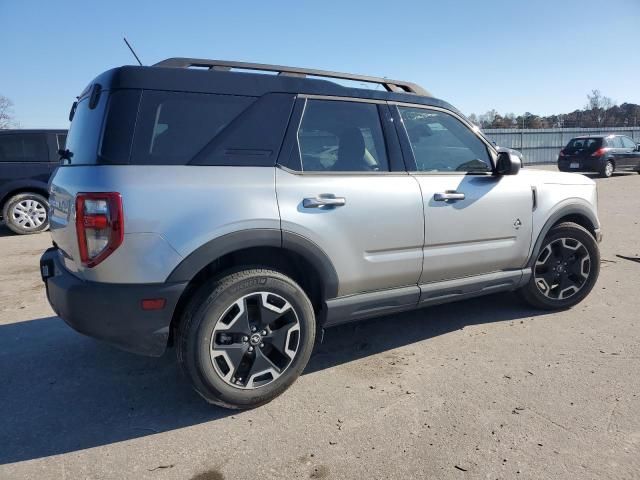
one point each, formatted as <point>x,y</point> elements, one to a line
<point>99,226</point>
<point>562,153</point>
<point>599,152</point>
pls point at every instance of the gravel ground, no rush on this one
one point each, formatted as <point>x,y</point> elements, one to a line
<point>485,388</point>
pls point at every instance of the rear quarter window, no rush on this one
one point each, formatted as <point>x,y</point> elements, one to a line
<point>173,127</point>
<point>24,147</point>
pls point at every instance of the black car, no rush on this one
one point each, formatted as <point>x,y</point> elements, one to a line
<point>603,154</point>
<point>27,160</point>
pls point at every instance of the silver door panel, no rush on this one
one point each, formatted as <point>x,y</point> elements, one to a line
<point>374,240</point>
<point>489,230</point>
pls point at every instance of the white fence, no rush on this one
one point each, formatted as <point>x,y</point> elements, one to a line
<point>542,145</point>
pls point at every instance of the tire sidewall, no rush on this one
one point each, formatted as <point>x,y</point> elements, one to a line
<point>206,316</point>
<point>9,205</point>
<point>583,236</point>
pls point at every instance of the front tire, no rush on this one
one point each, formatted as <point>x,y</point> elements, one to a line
<point>565,270</point>
<point>246,337</point>
<point>26,213</point>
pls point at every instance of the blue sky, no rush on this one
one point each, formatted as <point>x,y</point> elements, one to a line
<point>515,56</point>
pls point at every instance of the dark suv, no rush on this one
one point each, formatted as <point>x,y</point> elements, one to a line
<point>27,160</point>
<point>603,154</point>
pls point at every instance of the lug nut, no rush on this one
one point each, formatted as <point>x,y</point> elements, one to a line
<point>245,339</point>
<point>263,333</point>
<point>253,329</point>
<point>251,349</point>
<point>261,345</point>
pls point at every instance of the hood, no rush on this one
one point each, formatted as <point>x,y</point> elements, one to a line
<point>551,177</point>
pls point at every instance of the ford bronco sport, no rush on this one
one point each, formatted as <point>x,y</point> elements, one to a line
<point>234,214</point>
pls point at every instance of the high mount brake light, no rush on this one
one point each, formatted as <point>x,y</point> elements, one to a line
<point>99,226</point>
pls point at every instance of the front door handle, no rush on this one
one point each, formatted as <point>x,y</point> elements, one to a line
<point>448,196</point>
<point>324,201</point>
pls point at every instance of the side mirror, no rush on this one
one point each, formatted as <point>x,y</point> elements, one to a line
<point>508,163</point>
<point>638,147</point>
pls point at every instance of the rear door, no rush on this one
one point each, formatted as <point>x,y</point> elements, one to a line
<point>475,222</point>
<point>342,184</point>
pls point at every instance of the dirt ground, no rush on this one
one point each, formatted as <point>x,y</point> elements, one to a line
<point>485,388</point>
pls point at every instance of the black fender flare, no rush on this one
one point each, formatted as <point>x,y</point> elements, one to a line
<point>263,237</point>
<point>571,209</point>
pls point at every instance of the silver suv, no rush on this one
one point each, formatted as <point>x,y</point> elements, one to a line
<point>235,214</point>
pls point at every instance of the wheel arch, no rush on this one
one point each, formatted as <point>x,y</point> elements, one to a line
<point>26,187</point>
<point>576,213</point>
<point>286,252</point>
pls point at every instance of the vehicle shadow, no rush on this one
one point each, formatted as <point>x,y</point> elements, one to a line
<point>4,230</point>
<point>63,392</point>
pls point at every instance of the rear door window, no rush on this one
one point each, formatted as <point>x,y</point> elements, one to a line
<point>173,127</point>
<point>340,136</point>
<point>24,147</point>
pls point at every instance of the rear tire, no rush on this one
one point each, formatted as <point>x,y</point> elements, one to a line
<point>26,213</point>
<point>245,338</point>
<point>608,169</point>
<point>566,269</point>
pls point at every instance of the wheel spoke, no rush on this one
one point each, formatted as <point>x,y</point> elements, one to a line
<point>280,339</point>
<point>232,355</point>
<point>261,366</point>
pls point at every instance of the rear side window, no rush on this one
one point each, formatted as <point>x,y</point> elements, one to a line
<point>62,141</point>
<point>23,148</point>
<point>614,142</point>
<point>628,143</point>
<point>338,136</point>
<point>173,127</point>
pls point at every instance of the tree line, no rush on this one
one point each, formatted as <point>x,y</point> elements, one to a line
<point>600,111</point>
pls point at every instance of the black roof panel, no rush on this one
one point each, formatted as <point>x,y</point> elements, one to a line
<point>247,84</point>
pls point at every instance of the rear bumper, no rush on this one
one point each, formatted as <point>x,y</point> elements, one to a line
<point>111,312</point>
<point>585,164</point>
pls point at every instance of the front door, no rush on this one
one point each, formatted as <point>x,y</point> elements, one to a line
<point>475,222</point>
<point>342,194</point>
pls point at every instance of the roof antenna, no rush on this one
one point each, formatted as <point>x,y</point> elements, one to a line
<point>132,51</point>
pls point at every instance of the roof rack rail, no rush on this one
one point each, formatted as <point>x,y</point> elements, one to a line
<point>225,65</point>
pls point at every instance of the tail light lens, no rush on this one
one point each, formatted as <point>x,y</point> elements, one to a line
<point>562,153</point>
<point>99,226</point>
<point>599,152</point>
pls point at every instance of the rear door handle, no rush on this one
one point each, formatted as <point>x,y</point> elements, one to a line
<point>324,201</point>
<point>448,196</point>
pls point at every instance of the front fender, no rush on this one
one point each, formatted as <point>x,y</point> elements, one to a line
<point>573,206</point>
